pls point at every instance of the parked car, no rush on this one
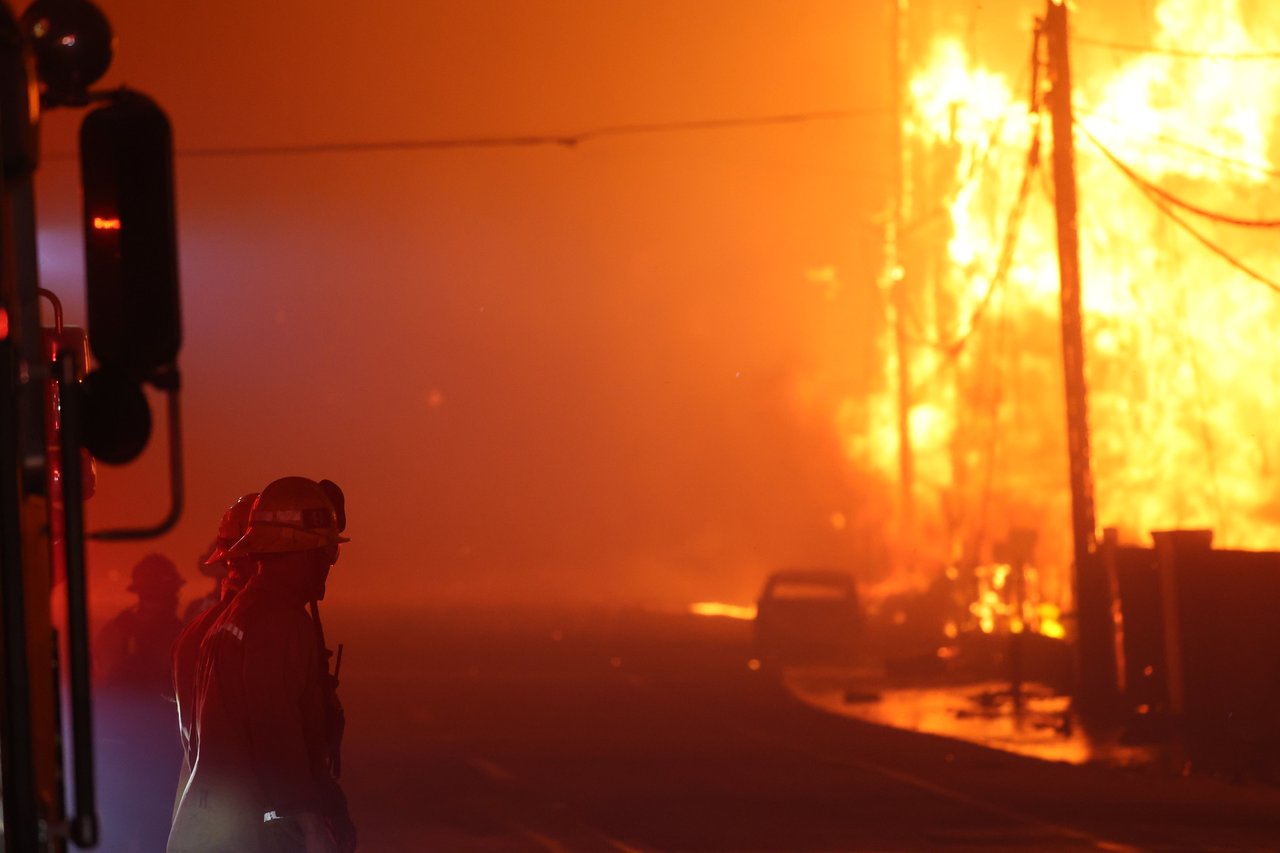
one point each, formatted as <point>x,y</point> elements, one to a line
<point>808,616</point>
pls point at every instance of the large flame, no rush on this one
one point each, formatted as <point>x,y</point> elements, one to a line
<point>1181,347</point>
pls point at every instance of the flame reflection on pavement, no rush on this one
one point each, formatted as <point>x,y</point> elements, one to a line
<point>979,713</point>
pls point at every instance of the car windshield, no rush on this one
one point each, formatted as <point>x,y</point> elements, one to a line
<point>809,591</point>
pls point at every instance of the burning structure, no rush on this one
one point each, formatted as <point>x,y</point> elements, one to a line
<point>1174,155</point>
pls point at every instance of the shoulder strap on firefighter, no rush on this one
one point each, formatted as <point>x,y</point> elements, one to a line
<point>334,716</point>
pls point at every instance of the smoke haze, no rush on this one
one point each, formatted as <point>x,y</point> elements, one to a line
<point>604,372</point>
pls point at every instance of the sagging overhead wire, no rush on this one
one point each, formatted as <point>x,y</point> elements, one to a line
<point>1013,228</point>
<point>1175,201</point>
<point>563,140</point>
<point>977,165</point>
<point>1009,244</point>
<point>1217,156</point>
<point>1177,53</point>
<point>1168,210</point>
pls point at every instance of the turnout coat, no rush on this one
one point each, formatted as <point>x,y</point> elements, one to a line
<point>258,742</point>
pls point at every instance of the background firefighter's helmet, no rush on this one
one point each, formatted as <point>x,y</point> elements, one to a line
<point>155,574</point>
<point>291,514</point>
<point>234,524</point>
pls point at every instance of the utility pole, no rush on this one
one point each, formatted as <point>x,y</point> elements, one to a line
<point>1095,642</point>
<point>895,278</point>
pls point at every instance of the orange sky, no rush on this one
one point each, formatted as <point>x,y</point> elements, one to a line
<point>604,372</point>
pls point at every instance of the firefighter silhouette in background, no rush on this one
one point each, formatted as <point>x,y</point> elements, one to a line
<point>267,722</point>
<point>133,648</point>
<point>134,696</point>
<point>234,574</point>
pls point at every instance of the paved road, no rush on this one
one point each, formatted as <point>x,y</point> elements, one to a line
<point>488,731</point>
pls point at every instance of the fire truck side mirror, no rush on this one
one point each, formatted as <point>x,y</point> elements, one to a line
<point>117,417</point>
<point>130,236</point>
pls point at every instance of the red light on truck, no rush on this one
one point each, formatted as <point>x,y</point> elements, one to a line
<point>102,223</point>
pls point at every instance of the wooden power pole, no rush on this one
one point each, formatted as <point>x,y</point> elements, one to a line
<point>895,278</point>
<point>1095,632</point>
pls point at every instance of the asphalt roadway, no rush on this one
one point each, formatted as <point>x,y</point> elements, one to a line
<point>559,730</point>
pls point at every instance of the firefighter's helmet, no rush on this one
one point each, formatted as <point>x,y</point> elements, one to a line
<point>155,573</point>
<point>339,501</point>
<point>291,514</point>
<point>235,521</point>
<point>211,570</point>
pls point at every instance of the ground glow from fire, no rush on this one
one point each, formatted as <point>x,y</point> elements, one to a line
<point>719,608</point>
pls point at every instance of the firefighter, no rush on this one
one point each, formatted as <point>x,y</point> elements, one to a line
<point>235,573</point>
<point>136,746</point>
<point>265,757</point>
<point>133,647</point>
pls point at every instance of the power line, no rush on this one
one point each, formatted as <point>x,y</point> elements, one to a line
<point>977,165</point>
<point>1010,243</point>
<point>566,140</point>
<point>1172,199</point>
<point>1008,246</point>
<point>1243,165</point>
<point>1178,53</point>
<point>1167,210</point>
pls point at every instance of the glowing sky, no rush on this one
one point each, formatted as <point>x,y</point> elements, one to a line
<point>607,371</point>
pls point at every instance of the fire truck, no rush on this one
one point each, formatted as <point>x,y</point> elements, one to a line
<point>71,399</point>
